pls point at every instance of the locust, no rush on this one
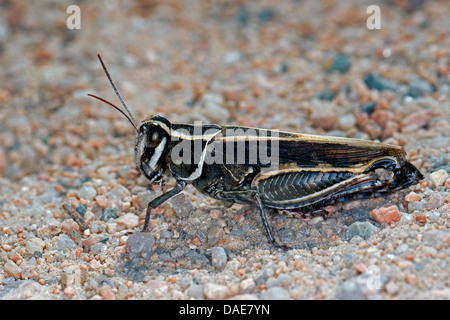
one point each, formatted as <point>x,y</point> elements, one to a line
<point>267,168</point>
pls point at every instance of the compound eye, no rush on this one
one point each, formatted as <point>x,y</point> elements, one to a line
<point>155,136</point>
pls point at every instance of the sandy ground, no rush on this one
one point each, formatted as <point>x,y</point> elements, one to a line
<point>72,202</point>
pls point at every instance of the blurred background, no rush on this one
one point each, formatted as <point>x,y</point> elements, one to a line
<point>307,66</point>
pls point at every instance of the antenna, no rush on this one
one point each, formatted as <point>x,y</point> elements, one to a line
<point>127,112</point>
<point>115,107</point>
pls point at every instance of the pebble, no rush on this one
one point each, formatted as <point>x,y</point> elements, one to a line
<point>419,87</point>
<point>65,243</point>
<point>52,227</point>
<point>436,200</point>
<point>106,292</point>
<point>109,213</point>
<point>215,291</point>
<point>97,248</point>
<point>412,196</point>
<point>341,63</point>
<point>439,177</point>
<point>386,215</point>
<point>361,229</point>
<point>182,205</point>
<point>327,95</point>
<point>347,121</point>
<point>416,206</point>
<point>437,239</point>
<point>246,285</point>
<point>323,116</point>
<point>140,242</point>
<point>275,293</point>
<point>129,220</point>
<point>218,257</point>
<point>35,245</point>
<point>87,192</point>
<point>351,289</point>
<point>368,107</point>
<point>13,269</point>
<point>416,120</point>
<point>376,82</point>
<point>266,15</point>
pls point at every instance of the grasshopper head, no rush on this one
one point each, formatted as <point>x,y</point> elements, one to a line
<point>152,146</point>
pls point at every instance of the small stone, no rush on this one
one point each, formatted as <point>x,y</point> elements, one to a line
<point>91,240</point>
<point>81,209</point>
<point>412,196</point>
<point>284,279</point>
<point>416,206</point>
<point>106,292</point>
<point>116,195</point>
<point>327,95</point>
<point>401,249</point>
<point>368,107</point>
<point>439,177</point>
<point>419,87</point>
<point>416,120</point>
<point>140,242</point>
<point>411,279</point>
<point>392,288</point>
<point>215,291</point>
<point>28,272</point>
<point>51,228</point>
<point>109,213</point>
<point>275,293</point>
<point>347,121</point>
<point>373,81</point>
<point>351,289</point>
<point>196,291</point>
<point>97,248</point>
<point>87,192</point>
<point>436,200</point>
<point>65,243</point>
<point>246,285</point>
<point>13,269</point>
<point>266,15</point>
<point>218,257</point>
<point>323,116</point>
<point>102,200</point>
<point>437,239</point>
<point>129,220</point>
<point>69,224</point>
<point>232,57</point>
<point>35,245</point>
<point>94,264</point>
<point>341,63</point>
<point>386,215</point>
<point>182,205</point>
<point>166,234</point>
<point>361,229</point>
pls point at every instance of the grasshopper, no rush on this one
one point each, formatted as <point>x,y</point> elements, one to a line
<point>230,163</point>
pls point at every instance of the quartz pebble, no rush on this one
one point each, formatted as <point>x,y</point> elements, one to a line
<point>87,192</point>
<point>215,291</point>
<point>129,220</point>
<point>218,257</point>
<point>439,177</point>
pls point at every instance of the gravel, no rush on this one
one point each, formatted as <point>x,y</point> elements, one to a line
<point>72,202</point>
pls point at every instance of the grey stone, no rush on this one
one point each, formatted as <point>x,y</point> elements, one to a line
<point>65,243</point>
<point>362,229</point>
<point>218,257</point>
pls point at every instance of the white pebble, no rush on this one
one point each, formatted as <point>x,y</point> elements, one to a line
<point>438,177</point>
